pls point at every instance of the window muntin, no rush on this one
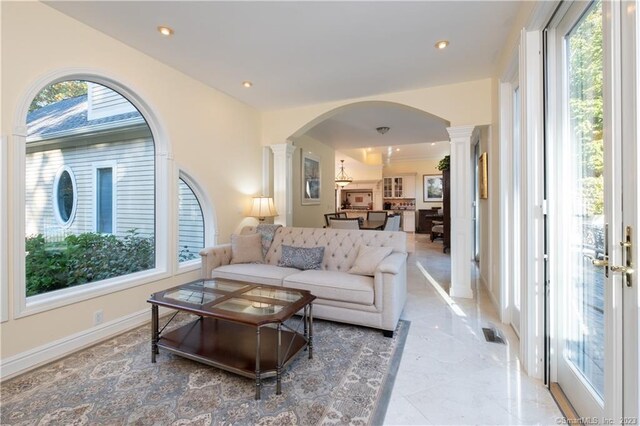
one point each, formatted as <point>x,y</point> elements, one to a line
<point>65,196</point>
<point>61,133</point>
<point>190,223</point>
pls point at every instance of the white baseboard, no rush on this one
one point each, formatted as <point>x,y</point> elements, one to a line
<point>491,296</point>
<point>28,360</point>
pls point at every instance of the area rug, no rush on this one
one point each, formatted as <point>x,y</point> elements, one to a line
<point>348,381</point>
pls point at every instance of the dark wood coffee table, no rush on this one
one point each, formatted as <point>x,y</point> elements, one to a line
<point>241,326</point>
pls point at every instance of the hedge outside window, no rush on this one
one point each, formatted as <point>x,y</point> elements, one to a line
<point>100,221</point>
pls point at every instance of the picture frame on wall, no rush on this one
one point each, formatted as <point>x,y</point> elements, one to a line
<point>432,188</point>
<point>483,187</point>
<point>311,179</point>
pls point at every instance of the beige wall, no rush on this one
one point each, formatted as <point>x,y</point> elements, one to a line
<point>420,167</point>
<point>313,216</point>
<point>207,131</point>
<point>461,104</point>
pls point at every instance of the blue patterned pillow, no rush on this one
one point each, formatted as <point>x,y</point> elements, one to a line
<point>301,257</point>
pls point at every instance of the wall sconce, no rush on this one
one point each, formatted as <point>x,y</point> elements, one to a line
<point>262,207</point>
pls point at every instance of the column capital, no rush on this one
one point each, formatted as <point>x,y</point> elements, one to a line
<point>460,133</point>
<point>286,148</point>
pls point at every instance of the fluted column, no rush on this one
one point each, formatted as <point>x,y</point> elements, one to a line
<point>461,196</point>
<point>283,182</point>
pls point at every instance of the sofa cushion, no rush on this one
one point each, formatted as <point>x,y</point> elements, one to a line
<point>333,285</point>
<point>246,248</point>
<point>368,259</point>
<point>301,257</point>
<point>254,273</point>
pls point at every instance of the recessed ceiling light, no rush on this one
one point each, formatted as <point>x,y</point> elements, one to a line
<point>247,84</point>
<point>442,44</point>
<point>165,31</point>
<point>433,143</point>
<point>397,149</point>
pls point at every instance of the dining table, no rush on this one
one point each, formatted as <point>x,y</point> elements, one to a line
<point>373,225</point>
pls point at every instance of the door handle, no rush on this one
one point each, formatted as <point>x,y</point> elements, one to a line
<point>600,262</point>
<point>623,269</point>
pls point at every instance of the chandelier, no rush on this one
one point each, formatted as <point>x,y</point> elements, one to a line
<point>342,179</point>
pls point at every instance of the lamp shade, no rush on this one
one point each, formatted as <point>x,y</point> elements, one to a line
<point>262,207</point>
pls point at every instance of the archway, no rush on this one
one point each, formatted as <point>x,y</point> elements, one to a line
<point>358,121</point>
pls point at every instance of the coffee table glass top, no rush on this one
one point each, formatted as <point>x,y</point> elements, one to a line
<point>249,307</point>
<point>233,299</point>
<point>286,295</point>
<point>194,297</point>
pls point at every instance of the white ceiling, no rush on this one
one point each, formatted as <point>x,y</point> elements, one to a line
<point>299,53</point>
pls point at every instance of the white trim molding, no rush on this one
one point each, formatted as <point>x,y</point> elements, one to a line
<point>28,360</point>
<point>461,210</point>
<point>4,261</point>
<point>283,182</point>
<point>531,202</point>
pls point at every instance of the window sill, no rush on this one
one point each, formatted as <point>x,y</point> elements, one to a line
<point>189,266</point>
<point>69,296</point>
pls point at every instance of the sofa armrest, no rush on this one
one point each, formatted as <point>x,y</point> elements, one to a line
<point>212,257</point>
<point>392,264</point>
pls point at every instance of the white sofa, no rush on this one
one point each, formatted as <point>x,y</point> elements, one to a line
<point>373,301</point>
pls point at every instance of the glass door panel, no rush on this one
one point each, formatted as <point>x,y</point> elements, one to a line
<point>584,343</point>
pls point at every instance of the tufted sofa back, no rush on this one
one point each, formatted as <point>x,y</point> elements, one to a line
<point>341,245</point>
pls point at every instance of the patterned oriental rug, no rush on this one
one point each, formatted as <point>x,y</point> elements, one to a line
<point>348,381</point>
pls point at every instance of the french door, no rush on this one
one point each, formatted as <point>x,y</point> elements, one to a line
<point>592,362</point>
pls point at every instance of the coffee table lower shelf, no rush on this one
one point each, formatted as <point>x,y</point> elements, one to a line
<point>232,347</point>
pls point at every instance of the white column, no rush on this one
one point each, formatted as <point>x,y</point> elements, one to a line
<point>283,182</point>
<point>461,197</point>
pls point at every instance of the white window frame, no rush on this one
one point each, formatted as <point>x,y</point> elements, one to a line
<point>208,217</point>
<point>163,185</point>
<point>114,194</point>
<point>4,263</point>
<point>54,197</point>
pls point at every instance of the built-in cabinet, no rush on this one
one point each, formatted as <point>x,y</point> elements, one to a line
<point>409,221</point>
<point>399,186</point>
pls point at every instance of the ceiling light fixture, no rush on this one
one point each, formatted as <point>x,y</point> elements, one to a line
<point>382,129</point>
<point>442,44</point>
<point>342,178</point>
<point>397,149</point>
<point>247,84</point>
<point>433,143</point>
<point>165,31</point>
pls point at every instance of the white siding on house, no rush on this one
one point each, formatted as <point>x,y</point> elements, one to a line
<point>191,223</point>
<point>135,181</point>
<point>104,102</point>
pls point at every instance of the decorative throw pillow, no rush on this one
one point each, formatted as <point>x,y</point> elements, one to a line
<point>301,257</point>
<point>368,259</point>
<point>246,248</point>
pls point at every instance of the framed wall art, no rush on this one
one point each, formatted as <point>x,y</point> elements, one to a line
<point>311,183</point>
<point>432,188</point>
<point>483,186</point>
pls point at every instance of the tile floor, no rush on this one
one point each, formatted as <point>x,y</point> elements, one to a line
<point>449,374</point>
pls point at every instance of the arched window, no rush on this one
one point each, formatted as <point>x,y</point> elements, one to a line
<point>64,196</point>
<point>191,236</point>
<point>90,148</point>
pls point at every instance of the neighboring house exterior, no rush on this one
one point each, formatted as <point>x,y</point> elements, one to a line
<point>95,157</point>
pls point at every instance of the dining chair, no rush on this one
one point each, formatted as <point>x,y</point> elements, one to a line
<point>376,215</point>
<point>332,215</point>
<point>343,223</point>
<point>393,223</point>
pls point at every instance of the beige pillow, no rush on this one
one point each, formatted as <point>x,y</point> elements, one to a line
<point>246,248</point>
<point>368,259</point>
